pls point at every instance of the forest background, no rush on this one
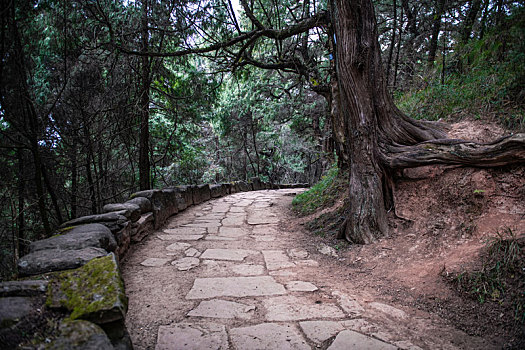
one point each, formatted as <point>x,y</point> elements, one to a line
<point>99,99</point>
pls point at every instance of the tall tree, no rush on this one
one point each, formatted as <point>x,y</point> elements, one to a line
<point>144,157</point>
<point>436,26</point>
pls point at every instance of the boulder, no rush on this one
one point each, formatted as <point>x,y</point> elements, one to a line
<point>129,210</point>
<point>243,186</point>
<point>80,335</point>
<point>13,309</point>
<point>218,190</point>
<point>143,203</point>
<point>93,292</point>
<point>299,185</point>
<point>43,261</point>
<point>187,193</point>
<point>201,193</point>
<point>234,188</point>
<point>256,184</point>
<point>123,238</point>
<point>142,227</point>
<point>78,237</point>
<point>180,198</point>
<point>23,288</point>
<point>114,221</point>
<point>164,203</point>
<point>228,187</point>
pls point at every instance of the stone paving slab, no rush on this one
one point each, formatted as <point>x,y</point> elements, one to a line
<point>204,288</point>
<point>233,232</point>
<point>298,253</point>
<point>237,209</point>
<point>185,231</point>
<point>283,273</point>
<point>207,221</point>
<point>263,238</point>
<point>389,310</point>
<point>179,246</point>
<point>180,237</point>
<point>154,262</point>
<point>227,254</point>
<point>348,339</point>
<point>300,286</point>
<point>233,221</point>
<point>291,308</point>
<point>207,225</point>
<point>320,331</point>
<point>187,336</point>
<point>350,305</point>
<point>268,336</point>
<point>192,252</point>
<point>261,218</point>
<point>218,238</point>
<point>222,309</point>
<point>242,203</point>
<point>248,269</point>
<point>186,263</point>
<point>276,260</point>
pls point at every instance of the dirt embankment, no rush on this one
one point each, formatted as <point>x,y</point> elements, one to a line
<point>444,220</point>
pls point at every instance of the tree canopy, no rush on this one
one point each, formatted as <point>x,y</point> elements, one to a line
<point>101,98</point>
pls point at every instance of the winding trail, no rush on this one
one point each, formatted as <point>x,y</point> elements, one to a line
<point>227,274</point>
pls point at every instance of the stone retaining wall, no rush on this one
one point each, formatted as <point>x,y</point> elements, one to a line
<point>76,270</point>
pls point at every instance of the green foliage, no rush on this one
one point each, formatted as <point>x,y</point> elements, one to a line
<point>485,78</point>
<point>321,194</point>
<point>502,276</point>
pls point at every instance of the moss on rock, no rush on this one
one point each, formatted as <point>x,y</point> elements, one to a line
<point>93,292</point>
<point>80,335</point>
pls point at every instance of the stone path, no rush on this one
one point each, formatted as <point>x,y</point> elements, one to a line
<point>222,275</point>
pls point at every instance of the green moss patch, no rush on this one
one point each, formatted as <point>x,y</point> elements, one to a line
<point>93,292</point>
<point>322,194</point>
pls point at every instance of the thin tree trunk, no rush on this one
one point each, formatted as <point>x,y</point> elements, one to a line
<point>52,194</point>
<point>436,26</point>
<point>89,175</point>
<point>483,22</point>
<point>19,243</point>
<point>468,23</point>
<point>396,64</point>
<point>392,44</point>
<point>74,180</point>
<point>254,138</point>
<point>144,160</point>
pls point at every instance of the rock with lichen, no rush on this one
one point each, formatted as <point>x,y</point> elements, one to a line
<point>80,335</point>
<point>78,237</point>
<point>50,260</point>
<point>94,292</point>
<point>115,221</point>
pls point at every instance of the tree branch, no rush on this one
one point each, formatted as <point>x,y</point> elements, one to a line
<point>504,151</point>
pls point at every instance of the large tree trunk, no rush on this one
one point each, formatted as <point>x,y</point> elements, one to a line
<point>378,136</point>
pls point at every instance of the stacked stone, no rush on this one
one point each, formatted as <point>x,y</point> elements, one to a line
<point>87,250</point>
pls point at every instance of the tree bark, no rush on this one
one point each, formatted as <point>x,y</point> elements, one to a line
<point>468,23</point>
<point>30,114</point>
<point>379,137</point>
<point>436,26</point>
<point>144,160</point>
<point>392,44</point>
<point>19,243</point>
